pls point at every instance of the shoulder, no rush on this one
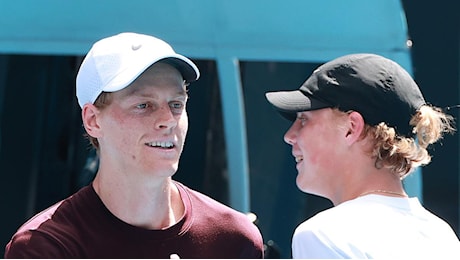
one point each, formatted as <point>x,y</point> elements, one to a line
<point>211,208</point>
<point>360,212</point>
<point>349,230</point>
<point>34,244</point>
<point>331,233</point>
<point>58,215</point>
<point>46,234</point>
<point>200,201</point>
<point>215,217</point>
<point>37,238</point>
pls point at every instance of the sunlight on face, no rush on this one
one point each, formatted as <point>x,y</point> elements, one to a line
<point>314,137</point>
<point>145,125</point>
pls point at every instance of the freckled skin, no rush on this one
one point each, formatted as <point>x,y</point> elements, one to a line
<point>145,112</point>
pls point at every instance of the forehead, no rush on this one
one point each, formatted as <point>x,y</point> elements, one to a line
<point>159,75</point>
<point>308,112</point>
<point>321,113</point>
<point>159,71</point>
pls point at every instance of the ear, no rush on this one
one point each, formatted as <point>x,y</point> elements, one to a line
<point>90,117</point>
<point>355,127</point>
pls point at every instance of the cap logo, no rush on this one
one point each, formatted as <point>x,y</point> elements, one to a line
<point>136,47</point>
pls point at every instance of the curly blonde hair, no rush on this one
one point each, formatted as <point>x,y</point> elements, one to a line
<point>403,154</point>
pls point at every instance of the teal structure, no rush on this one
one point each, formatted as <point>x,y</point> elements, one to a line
<point>225,31</point>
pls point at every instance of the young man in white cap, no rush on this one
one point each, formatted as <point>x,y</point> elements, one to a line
<point>360,126</point>
<point>132,91</point>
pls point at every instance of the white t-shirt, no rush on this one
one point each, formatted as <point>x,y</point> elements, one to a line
<point>376,226</point>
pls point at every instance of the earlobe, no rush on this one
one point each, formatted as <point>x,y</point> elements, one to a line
<point>89,115</point>
<point>355,127</point>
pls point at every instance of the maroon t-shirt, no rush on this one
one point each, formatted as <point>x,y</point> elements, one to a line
<point>82,227</point>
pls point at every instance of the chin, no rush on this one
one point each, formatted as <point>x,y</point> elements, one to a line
<point>168,171</point>
<point>302,187</point>
<point>162,170</point>
<point>305,186</point>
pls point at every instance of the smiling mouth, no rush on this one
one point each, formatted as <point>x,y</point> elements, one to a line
<point>298,159</point>
<point>163,145</point>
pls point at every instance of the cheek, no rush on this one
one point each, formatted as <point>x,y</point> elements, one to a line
<point>182,124</point>
<point>115,117</point>
<point>184,121</point>
<point>181,130</point>
<point>318,148</point>
<point>118,127</point>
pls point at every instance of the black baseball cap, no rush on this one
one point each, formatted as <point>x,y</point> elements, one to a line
<point>376,87</point>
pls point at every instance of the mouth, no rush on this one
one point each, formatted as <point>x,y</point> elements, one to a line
<point>162,145</point>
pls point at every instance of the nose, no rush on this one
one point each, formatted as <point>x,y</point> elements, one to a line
<point>165,118</point>
<point>290,135</point>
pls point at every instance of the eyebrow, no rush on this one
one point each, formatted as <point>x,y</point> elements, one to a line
<point>141,93</point>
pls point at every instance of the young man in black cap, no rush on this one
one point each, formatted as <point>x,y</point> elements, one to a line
<point>132,91</point>
<point>360,126</point>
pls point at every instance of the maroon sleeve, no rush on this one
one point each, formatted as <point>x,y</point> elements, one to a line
<point>31,244</point>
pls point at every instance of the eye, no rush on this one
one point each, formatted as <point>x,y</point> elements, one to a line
<point>302,119</point>
<point>177,106</point>
<point>142,106</point>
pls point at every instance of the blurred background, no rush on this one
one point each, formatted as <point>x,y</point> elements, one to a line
<point>234,152</point>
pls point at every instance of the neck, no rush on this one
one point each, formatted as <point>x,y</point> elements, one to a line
<point>383,183</point>
<point>151,205</point>
<point>385,192</point>
<point>369,180</point>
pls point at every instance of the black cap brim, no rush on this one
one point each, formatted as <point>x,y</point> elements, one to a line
<point>288,103</point>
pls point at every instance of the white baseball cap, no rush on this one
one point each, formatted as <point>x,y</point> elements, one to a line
<point>114,62</point>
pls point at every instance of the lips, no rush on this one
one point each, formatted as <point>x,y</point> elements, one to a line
<point>298,158</point>
<point>161,144</point>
